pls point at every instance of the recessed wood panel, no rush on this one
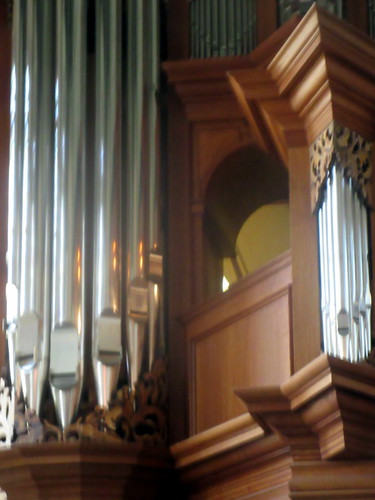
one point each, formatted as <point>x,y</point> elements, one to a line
<point>241,338</point>
<point>253,350</point>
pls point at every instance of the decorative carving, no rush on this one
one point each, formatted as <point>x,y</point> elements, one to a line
<point>27,425</point>
<point>345,148</point>
<point>6,414</point>
<point>138,417</point>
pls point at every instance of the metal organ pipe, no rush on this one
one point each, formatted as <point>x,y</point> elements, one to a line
<point>30,183</point>
<point>143,258</point>
<point>106,339</point>
<point>221,27</point>
<point>67,337</point>
<point>47,301</point>
<point>32,340</point>
<point>137,286</point>
<point>15,183</point>
<point>156,346</point>
<point>344,269</point>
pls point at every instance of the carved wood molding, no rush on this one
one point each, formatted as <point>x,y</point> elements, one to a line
<point>87,470</point>
<point>336,479</point>
<point>233,459</point>
<point>203,86</point>
<point>338,145</point>
<point>323,72</point>
<point>326,410</point>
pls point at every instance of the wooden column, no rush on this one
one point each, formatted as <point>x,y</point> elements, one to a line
<point>305,272</point>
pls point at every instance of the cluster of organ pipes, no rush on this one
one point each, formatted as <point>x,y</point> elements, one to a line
<point>71,252</point>
<point>344,269</point>
<point>222,27</point>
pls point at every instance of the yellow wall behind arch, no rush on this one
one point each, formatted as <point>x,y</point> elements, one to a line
<point>264,235</point>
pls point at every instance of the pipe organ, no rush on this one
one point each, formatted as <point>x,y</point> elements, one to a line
<point>58,321</point>
<point>340,161</point>
<point>222,27</point>
<point>289,7</point>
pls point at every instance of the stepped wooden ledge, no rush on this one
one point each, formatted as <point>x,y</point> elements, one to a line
<point>323,72</point>
<point>232,459</point>
<point>86,470</point>
<point>203,86</point>
<point>326,410</point>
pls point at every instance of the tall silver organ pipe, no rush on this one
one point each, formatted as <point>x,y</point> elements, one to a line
<point>32,339</point>
<point>29,226</point>
<point>344,269</point>
<point>156,328</point>
<point>47,299</point>
<point>67,335</point>
<point>143,258</point>
<point>15,183</point>
<point>137,286</point>
<point>107,340</point>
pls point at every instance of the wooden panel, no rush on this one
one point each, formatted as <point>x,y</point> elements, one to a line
<point>306,307</point>
<point>251,350</point>
<point>86,471</point>
<point>178,27</point>
<point>357,13</point>
<point>212,143</point>
<point>266,18</point>
<point>240,338</point>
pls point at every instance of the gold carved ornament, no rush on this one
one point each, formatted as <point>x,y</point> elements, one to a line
<point>340,146</point>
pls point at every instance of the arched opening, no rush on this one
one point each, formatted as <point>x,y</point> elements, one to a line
<point>264,235</point>
<point>246,222</point>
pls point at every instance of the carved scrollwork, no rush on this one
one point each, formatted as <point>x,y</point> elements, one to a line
<point>6,414</point>
<point>337,145</point>
<point>131,417</point>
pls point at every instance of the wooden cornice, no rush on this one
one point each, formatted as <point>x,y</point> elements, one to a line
<point>326,410</point>
<point>203,86</point>
<point>325,71</point>
<point>86,470</point>
<point>233,457</point>
<point>218,440</point>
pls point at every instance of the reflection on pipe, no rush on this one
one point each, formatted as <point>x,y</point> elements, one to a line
<point>46,300</point>
<point>15,183</point>
<point>137,286</point>
<point>344,270</point>
<point>66,363</point>
<point>143,257</point>
<point>32,340</point>
<point>106,341</point>
<point>30,179</point>
<point>155,265</point>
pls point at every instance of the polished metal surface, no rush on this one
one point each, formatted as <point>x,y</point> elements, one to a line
<point>136,191</point>
<point>68,267</point>
<point>143,285</point>
<point>15,183</point>
<point>344,269</point>
<point>47,304</point>
<point>30,188</point>
<point>156,340</point>
<point>107,332</point>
